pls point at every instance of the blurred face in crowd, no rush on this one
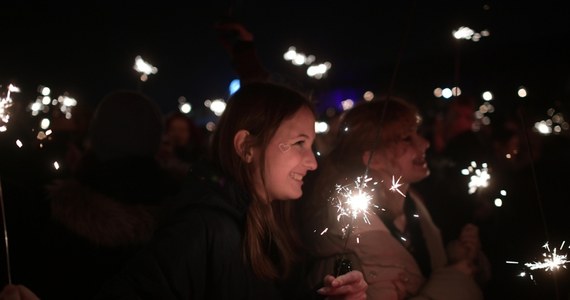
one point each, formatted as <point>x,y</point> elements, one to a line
<point>178,132</point>
<point>460,119</point>
<point>289,156</point>
<point>405,157</point>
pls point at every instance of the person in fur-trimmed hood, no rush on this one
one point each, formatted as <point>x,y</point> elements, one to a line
<point>110,207</point>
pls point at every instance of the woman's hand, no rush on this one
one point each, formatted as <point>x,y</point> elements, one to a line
<point>349,286</point>
<point>17,292</point>
<point>469,237</point>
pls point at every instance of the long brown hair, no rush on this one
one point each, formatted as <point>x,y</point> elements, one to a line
<point>260,108</point>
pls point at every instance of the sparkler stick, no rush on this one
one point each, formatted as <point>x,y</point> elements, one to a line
<point>351,204</point>
<point>5,235</point>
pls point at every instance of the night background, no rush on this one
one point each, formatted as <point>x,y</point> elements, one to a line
<point>403,48</point>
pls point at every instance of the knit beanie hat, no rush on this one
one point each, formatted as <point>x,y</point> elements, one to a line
<point>125,124</point>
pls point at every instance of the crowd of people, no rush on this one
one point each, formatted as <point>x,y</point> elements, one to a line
<point>151,207</point>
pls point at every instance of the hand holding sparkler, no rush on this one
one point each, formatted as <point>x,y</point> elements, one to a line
<point>465,254</point>
<point>17,292</point>
<point>348,286</point>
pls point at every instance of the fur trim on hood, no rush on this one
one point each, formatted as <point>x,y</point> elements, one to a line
<point>102,220</point>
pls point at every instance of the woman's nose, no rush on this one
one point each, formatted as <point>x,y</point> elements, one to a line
<point>311,161</point>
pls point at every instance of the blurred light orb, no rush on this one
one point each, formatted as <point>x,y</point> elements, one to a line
<point>321,127</point>
<point>185,108</point>
<point>319,70</point>
<point>438,92</point>
<point>299,59</point>
<point>218,106</point>
<point>210,126</point>
<point>522,92</point>
<point>498,202</point>
<point>44,90</point>
<point>542,127</point>
<point>487,96</point>
<point>456,91</point>
<point>234,86</point>
<point>463,33</point>
<point>347,104</point>
<point>290,54</point>
<point>144,68</point>
<point>44,124</point>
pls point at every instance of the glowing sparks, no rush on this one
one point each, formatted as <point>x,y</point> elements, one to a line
<point>479,177</point>
<point>46,107</point>
<point>353,201</point>
<point>555,124</point>
<point>552,261</point>
<point>5,104</point>
<point>66,104</point>
<point>395,185</point>
<point>144,68</point>
<point>467,33</point>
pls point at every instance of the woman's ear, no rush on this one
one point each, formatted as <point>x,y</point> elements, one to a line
<point>241,146</point>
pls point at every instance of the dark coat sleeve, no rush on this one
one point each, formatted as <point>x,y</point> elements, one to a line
<point>179,263</point>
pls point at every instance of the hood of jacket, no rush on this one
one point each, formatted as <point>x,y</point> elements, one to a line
<point>99,218</point>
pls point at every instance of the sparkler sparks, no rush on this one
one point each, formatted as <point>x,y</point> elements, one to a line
<point>552,261</point>
<point>144,68</point>
<point>353,201</point>
<point>45,107</point>
<point>395,185</point>
<point>5,104</point>
<point>479,177</point>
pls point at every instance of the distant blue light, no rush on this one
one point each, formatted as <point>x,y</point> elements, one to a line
<point>234,86</point>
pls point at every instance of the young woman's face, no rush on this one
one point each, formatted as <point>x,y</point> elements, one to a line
<point>407,157</point>
<point>289,156</point>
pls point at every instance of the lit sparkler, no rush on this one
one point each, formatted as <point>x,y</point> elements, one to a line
<point>353,201</point>
<point>46,106</point>
<point>555,124</point>
<point>552,261</point>
<point>144,68</point>
<point>479,177</point>
<point>5,104</point>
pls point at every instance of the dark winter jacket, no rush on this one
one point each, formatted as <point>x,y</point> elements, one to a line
<point>197,252</point>
<point>97,222</point>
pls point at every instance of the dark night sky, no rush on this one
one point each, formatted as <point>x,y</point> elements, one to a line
<point>89,50</point>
